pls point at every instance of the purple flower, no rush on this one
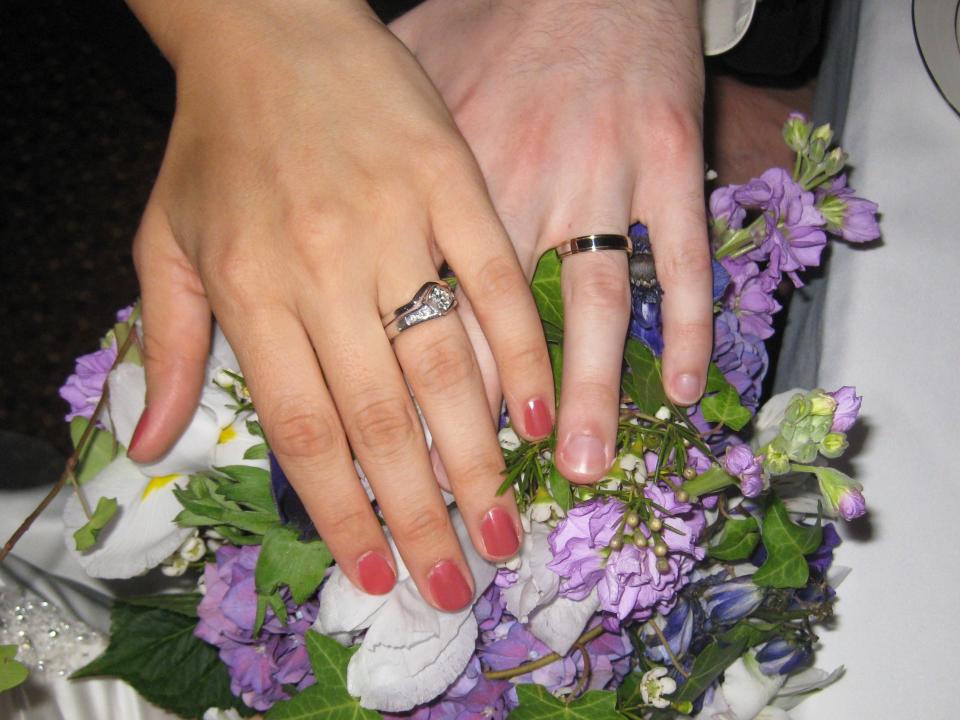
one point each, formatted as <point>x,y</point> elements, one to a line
<point>259,665</point>
<point>740,462</point>
<point>853,218</point>
<point>471,697</point>
<point>631,582</point>
<point>822,558</point>
<point>852,504</point>
<point>751,297</point>
<point>725,208</point>
<point>84,388</point>
<point>677,628</point>
<point>512,645</point>
<point>578,543</point>
<point>794,236</point>
<point>848,407</point>
<point>741,357</point>
<point>489,607</point>
<point>782,657</point>
<point>733,600</point>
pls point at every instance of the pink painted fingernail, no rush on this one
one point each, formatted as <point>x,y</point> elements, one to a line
<point>499,534</point>
<point>688,388</point>
<point>448,586</point>
<point>536,419</point>
<point>138,431</point>
<point>584,455</point>
<point>376,575</point>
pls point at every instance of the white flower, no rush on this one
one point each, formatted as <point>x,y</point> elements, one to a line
<point>663,413</point>
<point>629,461</point>
<point>509,440</point>
<point>218,714</point>
<point>654,685</point>
<point>175,568</point>
<point>533,598</point>
<point>411,651</point>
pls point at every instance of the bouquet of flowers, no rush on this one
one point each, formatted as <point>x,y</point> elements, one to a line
<point>687,582</point>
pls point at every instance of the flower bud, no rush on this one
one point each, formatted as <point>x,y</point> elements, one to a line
<point>175,568</point>
<point>796,132</point>
<point>833,445</point>
<point>848,407</point>
<point>842,494</point>
<point>821,403</point>
<point>817,151</point>
<point>628,462</point>
<point>782,657</point>
<point>823,133</point>
<point>193,549</point>
<point>834,162</point>
<point>732,600</point>
<point>663,413</point>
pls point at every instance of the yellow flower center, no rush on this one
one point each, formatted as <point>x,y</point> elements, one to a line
<point>226,435</point>
<point>157,483</point>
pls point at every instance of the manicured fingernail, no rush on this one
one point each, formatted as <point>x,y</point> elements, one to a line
<point>584,455</point>
<point>536,419</point>
<point>138,431</point>
<point>449,588</point>
<point>687,388</point>
<point>376,575</point>
<point>499,534</point>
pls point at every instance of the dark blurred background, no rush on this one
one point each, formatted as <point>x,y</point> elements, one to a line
<point>87,101</point>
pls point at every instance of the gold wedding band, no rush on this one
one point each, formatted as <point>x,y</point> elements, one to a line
<point>595,243</point>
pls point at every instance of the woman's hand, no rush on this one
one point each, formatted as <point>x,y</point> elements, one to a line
<point>312,182</point>
<point>585,116</point>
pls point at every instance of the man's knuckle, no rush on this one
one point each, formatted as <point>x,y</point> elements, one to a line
<point>682,263</point>
<point>602,290</point>
<point>498,278</point>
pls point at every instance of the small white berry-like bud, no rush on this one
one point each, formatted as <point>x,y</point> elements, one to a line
<point>223,379</point>
<point>663,413</point>
<point>193,549</point>
<point>509,440</point>
<point>176,567</point>
<point>629,461</point>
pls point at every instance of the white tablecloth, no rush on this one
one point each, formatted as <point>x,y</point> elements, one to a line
<point>890,326</point>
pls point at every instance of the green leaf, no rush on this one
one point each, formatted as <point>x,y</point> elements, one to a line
<point>121,331</point>
<point>710,663</point>
<point>710,480</point>
<point>183,603</point>
<point>156,652</point>
<point>628,694</point>
<point>736,541</point>
<point>256,452</point>
<point>642,380</point>
<point>250,486</point>
<point>556,364</point>
<point>284,560</point>
<point>546,289</point>
<point>716,380</point>
<point>328,699</point>
<point>725,407</point>
<point>100,451</point>
<point>786,543</point>
<point>86,537</point>
<point>560,488</point>
<point>12,673</point>
<point>537,703</point>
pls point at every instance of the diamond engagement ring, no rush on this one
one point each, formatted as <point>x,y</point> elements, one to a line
<point>433,300</point>
<point>595,243</point>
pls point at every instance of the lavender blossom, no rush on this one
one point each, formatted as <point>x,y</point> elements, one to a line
<point>84,387</point>
<point>848,407</point>
<point>512,645</point>
<point>470,696</point>
<point>794,237</point>
<point>751,296</point>
<point>851,217</point>
<point>852,504</point>
<point>579,542</point>
<point>740,462</point>
<point>259,665</point>
<point>741,357</point>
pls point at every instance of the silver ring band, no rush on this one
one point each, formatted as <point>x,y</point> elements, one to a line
<point>433,300</point>
<point>595,243</point>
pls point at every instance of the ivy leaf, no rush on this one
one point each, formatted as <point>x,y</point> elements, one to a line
<point>725,407</point>
<point>100,451</point>
<point>86,536</point>
<point>560,489</point>
<point>250,486</point>
<point>786,543</point>
<point>642,380</point>
<point>537,703</point>
<point>736,541</point>
<point>716,380</point>
<point>328,699</point>
<point>156,652</point>
<point>556,365</point>
<point>12,673</point>
<point>284,560</point>
<point>710,663</point>
<point>628,694</point>
<point>546,290</point>
<point>183,603</point>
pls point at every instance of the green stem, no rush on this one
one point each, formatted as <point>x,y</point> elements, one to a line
<point>544,661</point>
<point>713,479</point>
